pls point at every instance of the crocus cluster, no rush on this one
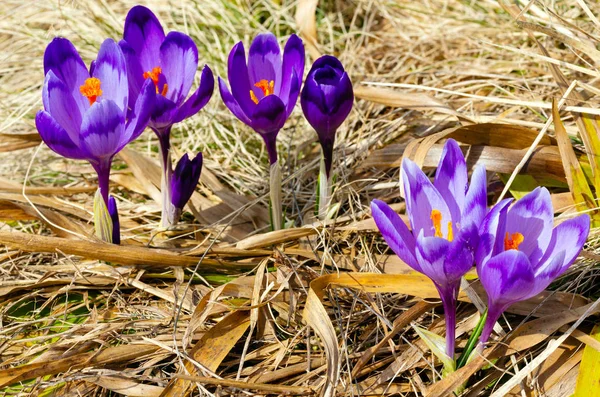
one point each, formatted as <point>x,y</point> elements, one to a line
<point>144,81</point>
<point>516,250</point>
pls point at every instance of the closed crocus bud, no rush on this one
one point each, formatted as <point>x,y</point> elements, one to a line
<point>114,217</point>
<point>326,101</point>
<point>183,182</point>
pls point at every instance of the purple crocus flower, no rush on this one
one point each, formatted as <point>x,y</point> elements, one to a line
<point>184,181</point>
<point>170,62</point>
<point>326,100</point>
<point>265,90</point>
<point>520,253</point>
<point>445,217</point>
<point>86,114</point>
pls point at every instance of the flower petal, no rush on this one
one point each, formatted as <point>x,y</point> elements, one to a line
<point>56,137</point>
<point>491,240</point>
<point>533,217</point>
<point>135,73</point>
<point>145,35</point>
<point>451,178</point>
<point>395,233</point>
<point>269,115</point>
<point>508,278</point>
<point>292,72</point>
<point>163,113</point>
<point>421,198</point>
<point>61,106</point>
<point>179,61</point>
<point>431,255</point>
<point>184,179</point>
<point>264,61</point>
<point>475,207</point>
<point>231,103</point>
<point>237,73</point>
<point>111,70</point>
<point>64,61</point>
<point>566,243</point>
<point>102,128</point>
<point>114,216</point>
<point>139,115</point>
<point>199,98</point>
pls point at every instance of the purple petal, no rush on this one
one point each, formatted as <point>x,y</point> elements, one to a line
<point>451,178</point>
<point>145,35</point>
<point>475,207</point>
<point>565,245</point>
<point>64,61</point>
<point>135,73</point>
<point>102,130</point>
<point>459,257</point>
<point>431,255</point>
<point>114,216</point>
<point>61,105</point>
<point>56,137</point>
<point>491,241</point>
<point>532,216</point>
<point>199,98</point>
<point>395,233</point>
<point>231,103</point>
<point>421,199</point>
<point>179,60</point>
<point>237,73</point>
<point>139,116</point>
<point>292,72</point>
<point>508,278</point>
<point>111,70</point>
<point>264,61</point>
<point>163,114</point>
<point>269,115</point>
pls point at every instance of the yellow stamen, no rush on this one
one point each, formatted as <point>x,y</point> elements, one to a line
<point>513,242</point>
<point>91,89</point>
<point>253,97</point>
<point>267,87</point>
<point>436,218</point>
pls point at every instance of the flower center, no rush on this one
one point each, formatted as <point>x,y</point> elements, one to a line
<point>436,218</point>
<point>91,89</point>
<point>513,241</point>
<point>267,87</point>
<point>154,75</point>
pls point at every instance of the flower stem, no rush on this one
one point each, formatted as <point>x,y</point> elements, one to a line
<point>324,191</point>
<point>166,218</point>
<point>492,316</point>
<point>449,296</point>
<point>103,172</point>
<point>102,221</point>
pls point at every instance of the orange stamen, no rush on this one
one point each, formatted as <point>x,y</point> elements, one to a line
<point>267,87</point>
<point>91,89</point>
<point>513,242</point>
<point>436,218</point>
<point>154,75</point>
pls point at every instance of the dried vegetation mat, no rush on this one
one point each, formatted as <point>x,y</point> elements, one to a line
<point>221,306</point>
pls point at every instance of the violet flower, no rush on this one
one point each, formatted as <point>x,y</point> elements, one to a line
<point>326,100</point>
<point>170,62</point>
<point>114,217</point>
<point>520,253</point>
<point>86,114</point>
<point>263,94</point>
<point>184,181</point>
<point>445,217</point>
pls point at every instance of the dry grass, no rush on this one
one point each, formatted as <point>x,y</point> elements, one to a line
<point>218,299</point>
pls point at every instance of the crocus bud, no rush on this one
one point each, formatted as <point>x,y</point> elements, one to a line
<point>184,181</point>
<point>114,217</point>
<point>326,101</point>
